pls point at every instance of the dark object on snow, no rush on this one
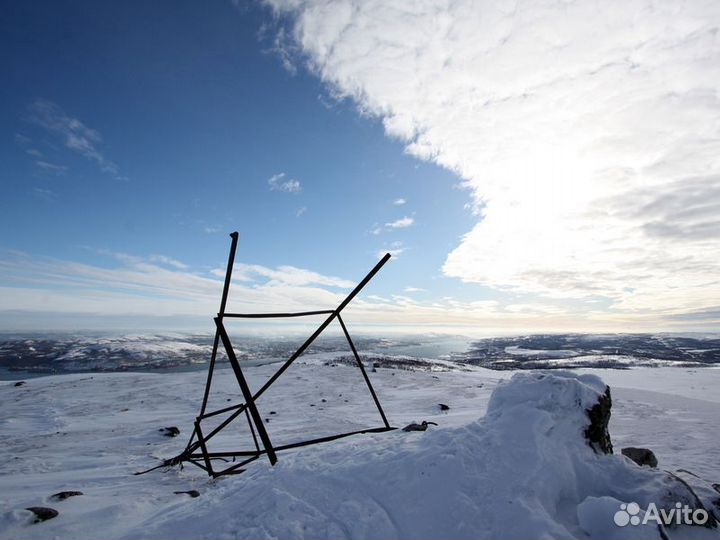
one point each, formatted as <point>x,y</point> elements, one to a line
<point>273,412</point>
<point>193,493</point>
<point>65,495</point>
<point>419,427</point>
<point>597,432</point>
<point>20,383</point>
<point>716,487</point>
<point>444,407</point>
<point>42,513</point>
<point>196,451</point>
<point>171,431</point>
<point>641,456</point>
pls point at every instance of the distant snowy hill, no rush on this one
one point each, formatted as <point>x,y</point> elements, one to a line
<point>507,460</point>
<point>67,353</point>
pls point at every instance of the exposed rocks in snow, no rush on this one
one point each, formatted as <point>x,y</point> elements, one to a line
<point>42,513</point>
<point>418,427</point>
<point>444,407</point>
<point>597,432</point>
<point>20,383</point>
<point>61,496</point>
<point>171,431</point>
<point>641,456</point>
<point>193,493</point>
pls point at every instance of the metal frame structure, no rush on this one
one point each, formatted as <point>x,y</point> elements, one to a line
<point>197,452</point>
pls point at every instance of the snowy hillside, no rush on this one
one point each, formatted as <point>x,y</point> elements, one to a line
<point>507,459</point>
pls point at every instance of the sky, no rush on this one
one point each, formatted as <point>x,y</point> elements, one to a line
<point>532,167</point>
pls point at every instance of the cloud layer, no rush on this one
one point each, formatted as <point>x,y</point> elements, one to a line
<point>587,133</point>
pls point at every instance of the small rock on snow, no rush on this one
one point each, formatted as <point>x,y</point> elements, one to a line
<point>42,513</point>
<point>193,493</point>
<point>61,496</point>
<point>641,456</point>
<point>171,431</point>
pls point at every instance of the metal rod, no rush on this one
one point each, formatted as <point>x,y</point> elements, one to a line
<point>252,430</point>
<point>362,368</point>
<point>223,303</point>
<point>324,325</point>
<point>249,399</point>
<point>233,468</point>
<point>277,315</point>
<point>201,442</point>
<point>220,411</point>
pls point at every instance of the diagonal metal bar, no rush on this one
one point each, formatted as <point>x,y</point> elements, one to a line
<point>324,325</point>
<point>252,430</point>
<point>249,399</point>
<point>201,442</point>
<point>362,368</point>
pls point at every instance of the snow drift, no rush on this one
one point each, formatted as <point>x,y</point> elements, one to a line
<point>525,470</point>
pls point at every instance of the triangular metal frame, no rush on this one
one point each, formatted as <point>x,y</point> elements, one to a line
<point>197,452</point>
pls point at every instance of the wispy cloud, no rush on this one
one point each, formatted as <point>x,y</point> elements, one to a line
<point>402,223</point>
<point>413,289</point>
<point>300,211</point>
<point>133,285</point>
<point>51,167</point>
<point>280,182</point>
<point>45,194</point>
<point>74,134</point>
<point>169,261</point>
<point>577,144</point>
<point>399,202</point>
<point>395,249</point>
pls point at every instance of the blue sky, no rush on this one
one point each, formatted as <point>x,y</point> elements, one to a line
<point>135,137</point>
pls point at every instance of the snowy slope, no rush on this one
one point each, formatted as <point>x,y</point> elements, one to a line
<point>519,471</point>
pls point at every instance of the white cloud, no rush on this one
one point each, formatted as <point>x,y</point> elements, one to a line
<point>401,223</point>
<point>137,286</point>
<point>169,261</point>
<point>399,202</point>
<point>395,250</point>
<point>75,135</point>
<point>587,133</point>
<point>51,167</point>
<point>300,211</point>
<point>290,275</point>
<point>277,182</point>
<point>46,194</point>
<point>413,289</point>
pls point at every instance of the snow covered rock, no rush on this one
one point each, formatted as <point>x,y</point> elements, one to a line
<point>641,456</point>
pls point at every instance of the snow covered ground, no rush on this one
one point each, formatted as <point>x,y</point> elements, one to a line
<point>517,472</point>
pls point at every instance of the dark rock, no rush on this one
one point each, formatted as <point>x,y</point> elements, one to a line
<point>373,370</point>
<point>193,493</point>
<point>20,383</point>
<point>324,400</point>
<point>376,365</point>
<point>641,456</point>
<point>42,513</point>
<point>61,496</point>
<point>444,407</point>
<point>418,427</point>
<point>171,431</point>
<point>597,432</point>
<point>273,412</point>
